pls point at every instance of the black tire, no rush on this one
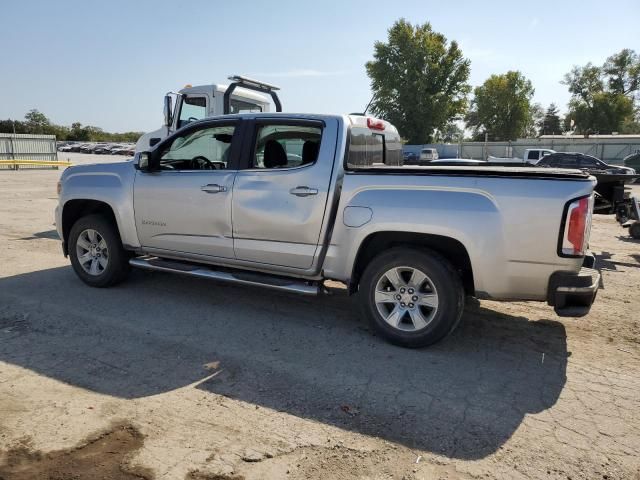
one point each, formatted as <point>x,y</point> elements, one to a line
<point>440,274</point>
<point>117,267</point>
<point>634,230</point>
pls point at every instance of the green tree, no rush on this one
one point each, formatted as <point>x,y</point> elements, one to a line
<point>603,98</point>
<point>419,80</point>
<point>534,120</point>
<point>12,126</point>
<point>606,112</point>
<point>450,133</point>
<point>37,122</point>
<point>501,107</point>
<point>78,133</point>
<point>623,72</point>
<point>551,123</point>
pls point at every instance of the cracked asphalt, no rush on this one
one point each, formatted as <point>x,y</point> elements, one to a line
<point>234,383</point>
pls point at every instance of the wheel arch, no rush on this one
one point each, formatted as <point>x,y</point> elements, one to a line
<point>78,208</point>
<point>450,248</point>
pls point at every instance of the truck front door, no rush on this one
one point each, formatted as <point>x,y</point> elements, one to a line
<point>185,206</point>
<point>280,193</point>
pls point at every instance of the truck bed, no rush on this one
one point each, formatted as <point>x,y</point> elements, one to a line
<point>479,171</point>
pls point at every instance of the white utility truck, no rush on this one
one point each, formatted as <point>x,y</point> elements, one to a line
<point>531,156</point>
<point>195,103</point>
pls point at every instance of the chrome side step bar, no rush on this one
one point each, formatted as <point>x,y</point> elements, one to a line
<point>230,276</point>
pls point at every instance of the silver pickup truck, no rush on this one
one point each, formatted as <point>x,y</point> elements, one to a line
<point>286,201</point>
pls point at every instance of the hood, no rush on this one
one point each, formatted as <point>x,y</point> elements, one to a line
<point>98,168</point>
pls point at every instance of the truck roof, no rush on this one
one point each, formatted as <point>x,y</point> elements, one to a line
<point>301,115</point>
<point>353,120</point>
<point>221,88</point>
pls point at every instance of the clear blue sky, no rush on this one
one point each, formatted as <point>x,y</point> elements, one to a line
<point>108,63</point>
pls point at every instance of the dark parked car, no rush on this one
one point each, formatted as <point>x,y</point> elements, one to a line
<point>632,161</point>
<point>410,157</point>
<point>582,162</point>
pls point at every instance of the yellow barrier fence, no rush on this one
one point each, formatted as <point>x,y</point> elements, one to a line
<point>43,163</point>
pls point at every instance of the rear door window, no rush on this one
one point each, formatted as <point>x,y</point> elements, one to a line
<point>589,162</point>
<point>286,146</point>
<point>568,161</point>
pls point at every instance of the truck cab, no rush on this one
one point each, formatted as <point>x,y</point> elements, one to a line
<point>195,103</point>
<point>533,155</point>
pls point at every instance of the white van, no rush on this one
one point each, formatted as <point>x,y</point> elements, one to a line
<point>428,154</point>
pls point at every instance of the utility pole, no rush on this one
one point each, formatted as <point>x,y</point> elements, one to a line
<point>486,140</point>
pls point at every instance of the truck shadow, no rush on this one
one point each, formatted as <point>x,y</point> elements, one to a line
<point>604,261</point>
<point>309,357</point>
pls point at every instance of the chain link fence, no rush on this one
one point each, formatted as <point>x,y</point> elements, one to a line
<point>611,150</point>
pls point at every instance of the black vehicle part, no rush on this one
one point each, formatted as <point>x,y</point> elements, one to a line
<point>250,84</point>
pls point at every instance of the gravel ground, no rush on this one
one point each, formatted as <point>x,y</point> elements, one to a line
<point>175,378</point>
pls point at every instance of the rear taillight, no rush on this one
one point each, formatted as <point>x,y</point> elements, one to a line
<point>577,225</point>
<point>375,123</point>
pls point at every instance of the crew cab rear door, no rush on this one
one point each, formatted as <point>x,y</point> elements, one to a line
<point>280,193</point>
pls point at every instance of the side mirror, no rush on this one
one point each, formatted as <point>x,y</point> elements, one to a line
<point>143,161</point>
<point>168,110</point>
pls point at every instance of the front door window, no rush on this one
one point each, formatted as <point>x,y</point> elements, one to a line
<point>204,149</point>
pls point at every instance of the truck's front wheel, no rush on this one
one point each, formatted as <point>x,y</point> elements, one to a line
<point>96,252</point>
<point>412,297</point>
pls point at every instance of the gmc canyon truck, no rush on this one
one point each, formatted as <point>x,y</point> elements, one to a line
<point>286,201</point>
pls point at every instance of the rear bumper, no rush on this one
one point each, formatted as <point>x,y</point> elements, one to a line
<point>572,293</point>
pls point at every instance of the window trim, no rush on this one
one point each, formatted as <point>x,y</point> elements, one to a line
<point>384,148</point>
<point>234,154</point>
<point>251,133</point>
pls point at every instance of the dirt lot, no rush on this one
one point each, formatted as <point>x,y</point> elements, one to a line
<point>173,378</point>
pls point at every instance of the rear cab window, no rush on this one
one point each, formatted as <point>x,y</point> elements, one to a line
<point>380,146</point>
<point>239,106</point>
<point>286,146</point>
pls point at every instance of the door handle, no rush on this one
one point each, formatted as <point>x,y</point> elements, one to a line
<point>303,191</point>
<point>213,188</point>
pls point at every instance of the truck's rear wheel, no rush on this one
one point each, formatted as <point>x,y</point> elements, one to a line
<point>96,252</point>
<point>412,297</point>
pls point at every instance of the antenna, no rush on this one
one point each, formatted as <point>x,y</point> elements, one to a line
<point>363,114</point>
<point>369,104</point>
